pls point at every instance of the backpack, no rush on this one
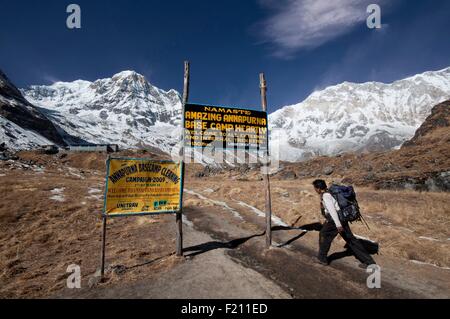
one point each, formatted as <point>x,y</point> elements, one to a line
<point>346,198</point>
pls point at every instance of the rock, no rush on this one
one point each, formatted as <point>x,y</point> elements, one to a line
<point>445,175</point>
<point>302,174</point>
<point>439,183</point>
<point>287,175</point>
<point>410,185</point>
<point>254,166</point>
<point>118,269</point>
<point>94,281</point>
<point>347,181</point>
<point>243,169</point>
<point>297,142</point>
<point>370,177</point>
<point>328,170</point>
<point>199,174</point>
<point>4,157</point>
<point>348,164</point>
<point>337,181</point>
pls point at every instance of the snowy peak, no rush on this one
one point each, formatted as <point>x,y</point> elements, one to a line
<point>352,117</point>
<point>123,93</point>
<point>126,74</point>
<point>8,90</point>
<point>21,124</point>
<point>128,110</point>
<point>124,109</point>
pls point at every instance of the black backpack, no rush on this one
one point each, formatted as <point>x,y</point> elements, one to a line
<point>346,198</point>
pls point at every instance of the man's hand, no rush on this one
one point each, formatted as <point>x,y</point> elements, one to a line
<point>340,229</point>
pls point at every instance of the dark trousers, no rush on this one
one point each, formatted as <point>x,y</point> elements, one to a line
<point>329,233</point>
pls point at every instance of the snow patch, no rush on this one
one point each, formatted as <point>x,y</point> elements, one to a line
<point>74,172</point>
<point>58,194</point>
<point>429,238</point>
<point>276,220</point>
<point>187,222</point>
<point>217,203</point>
<point>428,264</point>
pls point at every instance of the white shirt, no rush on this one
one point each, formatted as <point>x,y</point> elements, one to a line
<point>331,207</point>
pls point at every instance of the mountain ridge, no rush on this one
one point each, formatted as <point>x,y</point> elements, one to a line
<point>421,164</point>
<point>22,125</point>
<point>362,117</point>
<point>128,110</point>
<point>125,109</point>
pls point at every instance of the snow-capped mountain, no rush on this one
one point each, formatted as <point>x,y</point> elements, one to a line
<point>125,109</point>
<point>357,117</point>
<point>22,126</point>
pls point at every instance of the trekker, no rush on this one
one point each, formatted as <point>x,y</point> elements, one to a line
<point>333,226</point>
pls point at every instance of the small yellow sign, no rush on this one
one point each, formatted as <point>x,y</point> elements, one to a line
<point>142,187</point>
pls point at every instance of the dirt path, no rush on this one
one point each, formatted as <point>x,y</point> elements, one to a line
<point>291,262</point>
<point>208,271</point>
<point>225,257</point>
<point>210,275</point>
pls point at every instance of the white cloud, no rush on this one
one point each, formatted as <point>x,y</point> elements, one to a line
<point>305,24</point>
<point>50,78</point>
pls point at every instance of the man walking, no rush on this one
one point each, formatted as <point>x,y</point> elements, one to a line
<point>333,226</point>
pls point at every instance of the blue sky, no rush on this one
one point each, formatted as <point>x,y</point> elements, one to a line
<point>301,45</point>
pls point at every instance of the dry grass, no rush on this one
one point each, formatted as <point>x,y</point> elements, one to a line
<point>41,237</point>
<point>409,224</point>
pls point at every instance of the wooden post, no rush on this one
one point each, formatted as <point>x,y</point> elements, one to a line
<point>179,216</point>
<point>102,269</point>
<point>268,207</point>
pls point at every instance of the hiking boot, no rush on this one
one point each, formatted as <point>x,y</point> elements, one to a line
<point>363,266</point>
<point>322,261</point>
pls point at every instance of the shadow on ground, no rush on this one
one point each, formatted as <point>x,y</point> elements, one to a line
<point>235,243</point>
<point>304,230</point>
<point>232,244</point>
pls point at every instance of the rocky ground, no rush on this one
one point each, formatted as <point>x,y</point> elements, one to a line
<point>50,219</point>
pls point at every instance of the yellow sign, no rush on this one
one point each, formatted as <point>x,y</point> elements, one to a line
<point>142,186</point>
<point>224,127</point>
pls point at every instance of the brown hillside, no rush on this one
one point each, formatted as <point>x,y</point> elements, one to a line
<point>422,164</point>
<point>435,129</point>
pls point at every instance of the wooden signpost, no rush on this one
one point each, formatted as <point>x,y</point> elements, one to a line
<point>179,216</point>
<point>146,187</point>
<point>206,109</point>
<point>268,206</point>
